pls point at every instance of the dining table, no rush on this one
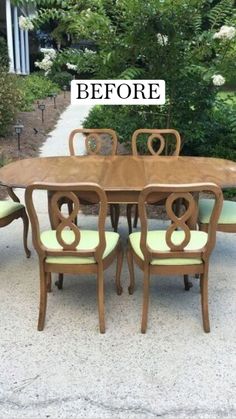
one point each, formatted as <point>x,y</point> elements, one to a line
<point>121,176</point>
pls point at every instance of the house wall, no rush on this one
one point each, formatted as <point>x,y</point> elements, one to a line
<point>17,39</point>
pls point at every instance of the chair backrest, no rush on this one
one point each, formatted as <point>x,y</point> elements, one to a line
<point>150,137</point>
<point>93,140</point>
<point>60,193</point>
<point>188,193</point>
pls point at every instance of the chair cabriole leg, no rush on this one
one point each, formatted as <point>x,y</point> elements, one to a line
<point>131,269</point>
<point>146,284</point>
<point>187,283</point>
<point>135,217</point>
<point>129,217</point>
<point>43,298</point>
<point>25,233</point>
<point>120,255</point>
<point>204,301</point>
<point>59,282</point>
<point>116,217</point>
<point>100,294</point>
<point>49,281</point>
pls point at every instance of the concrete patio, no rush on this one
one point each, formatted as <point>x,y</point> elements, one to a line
<point>71,371</point>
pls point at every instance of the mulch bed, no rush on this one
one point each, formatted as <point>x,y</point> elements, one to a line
<point>34,133</point>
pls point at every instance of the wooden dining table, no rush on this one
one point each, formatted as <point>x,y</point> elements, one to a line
<point>122,177</point>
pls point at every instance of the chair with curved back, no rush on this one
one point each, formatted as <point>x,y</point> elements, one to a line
<point>227,219</point>
<point>11,210</point>
<point>95,139</point>
<point>179,249</point>
<point>150,144</point>
<point>70,249</point>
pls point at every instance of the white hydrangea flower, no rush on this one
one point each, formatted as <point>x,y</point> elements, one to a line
<point>71,66</point>
<point>25,23</point>
<point>50,52</point>
<point>218,80</point>
<point>162,39</point>
<point>45,64</point>
<point>225,32</point>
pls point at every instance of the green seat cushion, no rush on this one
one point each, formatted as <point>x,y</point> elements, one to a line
<point>8,207</point>
<point>227,216</point>
<point>157,242</point>
<point>88,240</point>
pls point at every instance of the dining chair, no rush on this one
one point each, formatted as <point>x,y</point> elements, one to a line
<point>95,139</point>
<point>11,210</point>
<point>178,249</point>
<point>154,142</point>
<point>227,219</point>
<point>70,249</point>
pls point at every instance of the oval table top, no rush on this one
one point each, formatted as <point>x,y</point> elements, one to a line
<point>119,173</point>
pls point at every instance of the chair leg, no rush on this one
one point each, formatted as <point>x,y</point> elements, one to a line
<point>187,283</point>
<point>146,284</point>
<point>25,233</point>
<point>204,301</point>
<point>135,216</point>
<point>59,282</point>
<point>116,217</point>
<point>112,215</point>
<point>100,293</point>
<point>43,298</point>
<point>49,281</point>
<point>130,261</point>
<point>120,256</point>
<point>129,216</point>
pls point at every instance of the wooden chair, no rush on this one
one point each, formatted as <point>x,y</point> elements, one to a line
<point>70,249</point>
<point>94,141</point>
<point>227,219</point>
<point>177,250</point>
<point>12,210</point>
<point>150,139</point>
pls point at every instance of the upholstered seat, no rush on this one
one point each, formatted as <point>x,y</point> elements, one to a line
<point>11,210</point>
<point>156,240</point>
<point>88,239</point>
<point>8,207</point>
<point>227,216</point>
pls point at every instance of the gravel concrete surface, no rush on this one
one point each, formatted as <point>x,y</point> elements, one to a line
<point>69,370</point>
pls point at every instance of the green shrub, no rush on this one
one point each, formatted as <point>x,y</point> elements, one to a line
<point>35,87</point>
<point>10,99</point>
<point>4,58</point>
<point>62,78</point>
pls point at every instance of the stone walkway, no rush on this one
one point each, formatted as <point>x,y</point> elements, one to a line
<point>57,142</point>
<point>71,371</point>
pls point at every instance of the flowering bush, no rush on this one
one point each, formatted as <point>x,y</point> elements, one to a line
<point>84,63</point>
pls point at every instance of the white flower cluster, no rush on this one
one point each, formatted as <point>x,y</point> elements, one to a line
<point>50,52</point>
<point>47,61</point>
<point>162,39</point>
<point>89,51</point>
<point>225,32</point>
<point>25,23</point>
<point>71,66</point>
<point>218,80</point>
